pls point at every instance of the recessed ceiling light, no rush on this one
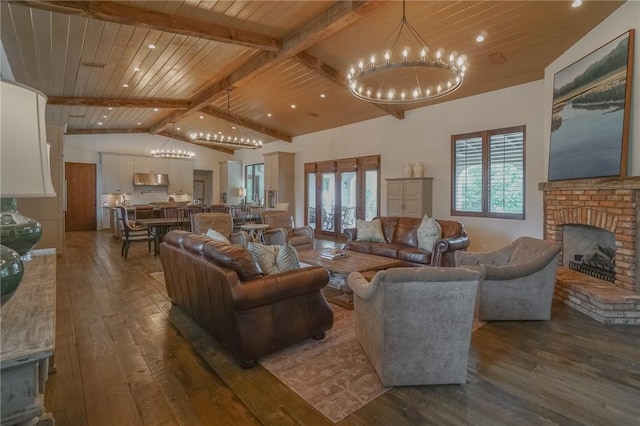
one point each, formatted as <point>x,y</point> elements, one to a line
<point>177,128</point>
<point>322,95</point>
<point>576,3</point>
<point>139,123</point>
<point>99,123</point>
<point>136,69</point>
<point>480,38</point>
<point>125,85</point>
<point>110,108</point>
<point>152,46</point>
<point>156,109</point>
<point>293,106</point>
<point>268,114</point>
<point>104,116</point>
<point>201,117</point>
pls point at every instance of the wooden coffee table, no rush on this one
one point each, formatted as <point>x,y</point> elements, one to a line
<point>353,262</point>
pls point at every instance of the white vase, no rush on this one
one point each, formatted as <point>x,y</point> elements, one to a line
<point>407,170</point>
<point>418,170</point>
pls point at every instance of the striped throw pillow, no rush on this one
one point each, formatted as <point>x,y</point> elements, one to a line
<point>275,259</point>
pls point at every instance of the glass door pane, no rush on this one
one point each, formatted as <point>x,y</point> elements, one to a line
<point>370,194</point>
<point>258,184</point>
<point>349,200</point>
<point>311,200</point>
<point>328,202</point>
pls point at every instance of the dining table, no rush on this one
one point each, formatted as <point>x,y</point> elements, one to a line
<point>161,225</point>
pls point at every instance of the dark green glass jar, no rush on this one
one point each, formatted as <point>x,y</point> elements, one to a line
<point>11,272</point>
<point>17,231</point>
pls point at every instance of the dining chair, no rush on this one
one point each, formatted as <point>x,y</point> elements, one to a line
<point>348,219</point>
<point>132,233</point>
<point>169,211</point>
<point>144,211</point>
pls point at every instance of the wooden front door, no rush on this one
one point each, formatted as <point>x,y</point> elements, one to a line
<point>81,197</point>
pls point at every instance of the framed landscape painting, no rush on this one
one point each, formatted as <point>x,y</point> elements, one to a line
<point>590,114</point>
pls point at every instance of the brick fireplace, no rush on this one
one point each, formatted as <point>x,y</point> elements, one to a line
<point>611,205</point>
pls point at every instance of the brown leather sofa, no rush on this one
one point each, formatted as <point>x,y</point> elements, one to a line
<point>223,290</point>
<point>401,243</point>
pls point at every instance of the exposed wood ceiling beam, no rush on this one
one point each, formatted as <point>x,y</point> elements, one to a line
<point>216,112</point>
<point>332,74</point>
<point>115,102</point>
<point>130,15</point>
<point>334,19</point>
<point>165,133</point>
<point>104,131</point>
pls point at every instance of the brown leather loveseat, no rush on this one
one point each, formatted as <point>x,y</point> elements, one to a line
<point>401,241</point>
<point>223,290</point>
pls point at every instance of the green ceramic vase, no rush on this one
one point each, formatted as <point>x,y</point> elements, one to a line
<point>11,272</point>
<point>17,231</point>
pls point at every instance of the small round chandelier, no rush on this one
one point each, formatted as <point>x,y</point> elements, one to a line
<point>173,148</point>
<point>228,139</point>
<point>415,74</point>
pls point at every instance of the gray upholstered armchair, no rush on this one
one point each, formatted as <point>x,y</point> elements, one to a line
<point>415,324</point>
<point>519,279</point>
<point>282,231</point>
<point>220,222</point>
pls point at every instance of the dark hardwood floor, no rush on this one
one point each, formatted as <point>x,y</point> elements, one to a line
<point>119,361</point>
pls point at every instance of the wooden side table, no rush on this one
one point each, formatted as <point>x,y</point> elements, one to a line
<point>255,231</point>
<point>27,320</point>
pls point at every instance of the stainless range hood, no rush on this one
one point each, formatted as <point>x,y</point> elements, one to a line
<point>150,179</point>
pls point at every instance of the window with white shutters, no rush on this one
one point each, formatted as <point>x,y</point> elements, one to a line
<point>488,173</point>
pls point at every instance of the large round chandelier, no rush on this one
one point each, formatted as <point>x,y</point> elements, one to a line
<point>233,137</point>
<point>413,73</point>
<point>173,148</point>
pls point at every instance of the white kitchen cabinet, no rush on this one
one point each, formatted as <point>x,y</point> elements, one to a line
<point>409,197</point>
<point>231,179</point>
<point>278,176</point>
<point>117,173</point>
<point>180,176</point>
<point>150,165</point>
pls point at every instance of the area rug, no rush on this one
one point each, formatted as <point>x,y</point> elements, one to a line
<point>333,375</point>
<point>338,297</point>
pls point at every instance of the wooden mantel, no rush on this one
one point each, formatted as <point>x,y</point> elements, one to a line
<point>626,183</point>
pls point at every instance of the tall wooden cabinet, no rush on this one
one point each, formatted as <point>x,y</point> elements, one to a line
<point>409,197</point>
<point>278,176</point>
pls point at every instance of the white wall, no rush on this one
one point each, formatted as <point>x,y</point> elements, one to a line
<point>425,136</point>
<point>86,149</point>
<point>626,17</point>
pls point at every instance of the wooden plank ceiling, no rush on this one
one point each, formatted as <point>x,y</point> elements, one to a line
<point>94,61</point>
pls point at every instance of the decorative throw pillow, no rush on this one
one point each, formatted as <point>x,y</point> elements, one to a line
<point>273,259</point>
<point>369,231</point>
<point>215,235</point>
<point>428,232</point>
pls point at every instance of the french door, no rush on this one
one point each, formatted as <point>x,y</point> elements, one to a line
<point>337,192</point>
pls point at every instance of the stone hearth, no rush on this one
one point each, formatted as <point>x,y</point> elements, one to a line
<point>611,204</point>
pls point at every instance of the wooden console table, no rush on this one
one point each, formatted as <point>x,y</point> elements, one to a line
<point>27,321</point>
